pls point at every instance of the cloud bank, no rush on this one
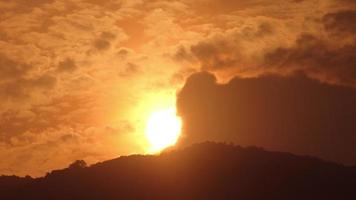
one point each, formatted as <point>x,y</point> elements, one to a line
<point>292,113</point>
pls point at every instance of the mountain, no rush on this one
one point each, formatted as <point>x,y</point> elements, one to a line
<point>201,171</point>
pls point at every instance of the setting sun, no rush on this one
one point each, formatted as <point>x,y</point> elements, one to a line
<point>163,129</point>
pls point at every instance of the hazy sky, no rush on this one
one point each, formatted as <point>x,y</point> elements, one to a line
<point>80,77</point>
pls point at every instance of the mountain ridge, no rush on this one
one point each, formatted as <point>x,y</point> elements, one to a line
<point>201,171</point>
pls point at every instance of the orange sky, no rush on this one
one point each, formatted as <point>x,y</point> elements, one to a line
<point>79,78</point>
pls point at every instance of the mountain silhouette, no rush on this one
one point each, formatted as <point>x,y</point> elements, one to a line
<point>201,171</point>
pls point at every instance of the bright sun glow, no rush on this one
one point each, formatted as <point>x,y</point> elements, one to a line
<point>163,129</point>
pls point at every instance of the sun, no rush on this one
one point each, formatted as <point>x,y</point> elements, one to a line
<point>163,129</point>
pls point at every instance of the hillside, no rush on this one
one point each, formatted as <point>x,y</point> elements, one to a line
<point>201,171</point>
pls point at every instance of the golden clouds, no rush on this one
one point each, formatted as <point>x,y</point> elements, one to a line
<point>88,68</point>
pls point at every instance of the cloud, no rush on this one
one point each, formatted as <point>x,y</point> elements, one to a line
<point>317,58</point>
<point>228,50</point>
<point>240,48</point>
<point>103,42</point>
<point>19,84</point>
<point>340,22</point>
<point>67,65</point>
<point>293,113</point>
<point>10,69</point>
<point>321,45</point>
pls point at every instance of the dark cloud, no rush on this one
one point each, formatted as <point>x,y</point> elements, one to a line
<point>33,3</point>
<point>317,58</point>
<point>294,114</point>
<point>123,53</point>
<point>129,70</point>
<point>327,54</point>
<point>17,83</point>
<point>25,6</point>
<point>101,44</point>
<point>219,54</point>
<point>225,50</point>
<point>67,65</point>
<point>229,6</point>
<point>10,69</point>
<point>23,88</point>
<point>341,22</point>
<point>182,54</point>
<point>45,81</point>
<point>320,57</point>
<point>104,41</point>
<point>109,5</point>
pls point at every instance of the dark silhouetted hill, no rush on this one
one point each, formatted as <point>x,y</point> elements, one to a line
<point>201,171</point>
